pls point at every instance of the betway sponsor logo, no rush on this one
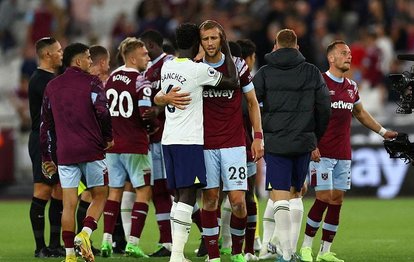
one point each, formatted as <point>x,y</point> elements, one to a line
<point>342,105</point>
<point>218,93</point>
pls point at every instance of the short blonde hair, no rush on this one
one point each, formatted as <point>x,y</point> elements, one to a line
<point>129,45</point>
<point>286,38</point>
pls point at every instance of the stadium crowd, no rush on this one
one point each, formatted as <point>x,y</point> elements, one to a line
<point>374,29</point>
<point>135,57</point>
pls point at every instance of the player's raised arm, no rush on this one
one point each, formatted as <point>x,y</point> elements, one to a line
<point>232,81</point>
<point>365,118</point>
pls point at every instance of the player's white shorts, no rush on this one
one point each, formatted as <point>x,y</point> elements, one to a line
<point>136,166</point>
<point>330,174</point>
<point>158,167</point>
<point>227,164</point>
<point>95,173</point>
<point>251,169</point>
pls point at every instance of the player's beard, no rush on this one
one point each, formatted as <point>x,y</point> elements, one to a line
<point>141,66</point>
<point>344,67</point>
<point>86,69</point>
<point>212,54</point>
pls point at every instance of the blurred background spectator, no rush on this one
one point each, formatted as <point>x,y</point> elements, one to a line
<point>8,14</point>
<point>376,29</point>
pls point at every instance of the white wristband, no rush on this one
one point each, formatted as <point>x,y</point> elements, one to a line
<point>382,131</point>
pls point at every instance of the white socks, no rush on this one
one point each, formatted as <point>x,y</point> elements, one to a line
<point>182,225</point>
<point>307,241</point>
<point>133,240</point>
<point>87,230</point>
<point>70,251</point>
<point>172,212</point>
<point>296,215</point>
<point>107,237</point>
<point>225,224</point>
<point>268,224</point>
<point>325,247</point>
<point>127,203</point>
<point>283,225</point>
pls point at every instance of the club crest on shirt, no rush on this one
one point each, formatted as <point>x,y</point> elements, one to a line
<point>211,71</point>
<point>324,176</point>
<point>351,93</point>
<point>331,92</point>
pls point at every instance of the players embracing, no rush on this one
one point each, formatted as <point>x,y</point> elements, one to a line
<point>224,144</point>
<point>183,136</point>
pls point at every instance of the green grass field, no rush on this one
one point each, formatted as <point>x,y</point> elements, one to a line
<point>370,230</point>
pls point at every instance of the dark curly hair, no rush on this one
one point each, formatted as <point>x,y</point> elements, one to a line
<point>153,36</point>
<point>71,51</point>
<point>187,36</point>
<point>247,46</point>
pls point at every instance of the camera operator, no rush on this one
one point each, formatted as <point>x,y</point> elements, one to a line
<point>330,168</point>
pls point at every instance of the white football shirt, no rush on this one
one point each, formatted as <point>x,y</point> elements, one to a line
<point>186,126</point>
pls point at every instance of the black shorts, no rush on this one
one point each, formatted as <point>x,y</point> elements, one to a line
<point>35,156</point>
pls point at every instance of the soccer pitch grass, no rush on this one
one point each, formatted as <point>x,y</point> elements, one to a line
<point>370,230</point>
